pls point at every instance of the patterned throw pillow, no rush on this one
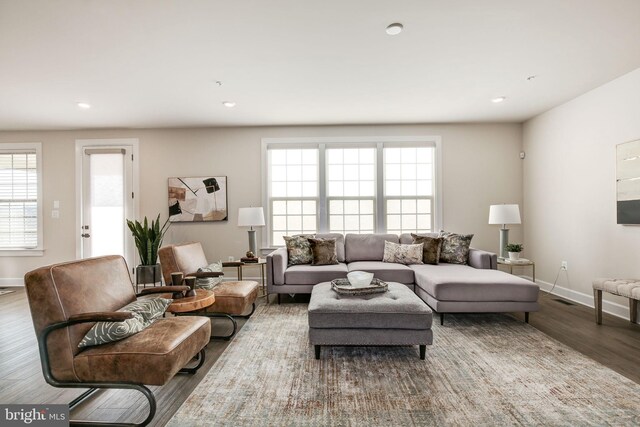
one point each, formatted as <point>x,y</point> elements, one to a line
<point>403,254</point>
<point>145,312</point>
<point>323,251</point>
<point>432,248</point>
<point>455,247</point>
<point>209,283</point>
<point>299,249</point>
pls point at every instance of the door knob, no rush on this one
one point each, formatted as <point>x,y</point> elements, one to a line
<point>85,235</point>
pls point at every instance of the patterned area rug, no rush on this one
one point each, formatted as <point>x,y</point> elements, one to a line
<point>481,370</point>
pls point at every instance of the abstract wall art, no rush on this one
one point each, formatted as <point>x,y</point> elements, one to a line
<point>198,199</point>
<point>628,182</point>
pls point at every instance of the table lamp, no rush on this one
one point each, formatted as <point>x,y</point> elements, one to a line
<point>251,217</point>
<point>504,214</point>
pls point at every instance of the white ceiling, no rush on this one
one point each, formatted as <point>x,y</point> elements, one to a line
<point>150,63</point>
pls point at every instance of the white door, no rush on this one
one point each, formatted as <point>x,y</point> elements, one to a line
<point>107,199</point>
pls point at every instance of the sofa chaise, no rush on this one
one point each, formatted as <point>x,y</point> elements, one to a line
<point>447,288</point>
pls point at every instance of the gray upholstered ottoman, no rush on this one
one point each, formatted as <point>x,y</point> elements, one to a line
<point>396,317</point>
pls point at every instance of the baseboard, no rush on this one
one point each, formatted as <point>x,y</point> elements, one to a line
<point>11,282</point>
<point>609,307</point>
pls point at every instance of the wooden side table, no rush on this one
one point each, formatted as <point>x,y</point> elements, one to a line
<point>528,263</point>
<point>204,298</point>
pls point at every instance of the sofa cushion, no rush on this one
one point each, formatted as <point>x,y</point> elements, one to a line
<point>366,247</point>
<point>402,254</point>
<point>431,248</point>
<point>312,274</point>
<point>339,243</point>
<point>323,251</point>
<point>455,247</point>
<point>455,282</point>
<point>385,271</point>
<point>298,249</point>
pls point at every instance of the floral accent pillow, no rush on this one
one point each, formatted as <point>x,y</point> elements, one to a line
<point>145,312</point>
<point>298,249</point>
<point>403,254</point>
<point>455,247</point>
<point>432,248</point>
<point>323,251</point>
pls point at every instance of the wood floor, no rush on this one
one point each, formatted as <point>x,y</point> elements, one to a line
<point>615,343</point>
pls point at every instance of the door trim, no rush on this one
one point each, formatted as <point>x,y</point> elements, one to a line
<point>84,143</point>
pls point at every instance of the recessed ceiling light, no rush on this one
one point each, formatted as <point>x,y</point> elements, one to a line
<point>83,105</point>
<point>218,82</point>
<point>498,99</point>
<point>531,77</point>
<point>394,29</point>
<point>229,104</point>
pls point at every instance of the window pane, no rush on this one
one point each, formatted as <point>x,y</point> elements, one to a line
<point>279,207</point>
<point>18,200</point>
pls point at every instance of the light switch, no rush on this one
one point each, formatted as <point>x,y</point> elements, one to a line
<point>55,214</point>
<point>56,204</point>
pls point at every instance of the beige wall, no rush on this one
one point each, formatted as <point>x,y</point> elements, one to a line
<point>480,167</point>
<point>570,193</point>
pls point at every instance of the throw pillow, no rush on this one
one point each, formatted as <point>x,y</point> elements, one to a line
<point>298,249</point>
<point>455,247</point>
<point>323,251</point>
<point>145,312</point>
<point>431,249</point>
<point>209,283</point>
<point>403,254</point>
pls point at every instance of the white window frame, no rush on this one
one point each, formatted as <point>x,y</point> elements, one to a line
<point>380,200</point>
<point>39,249</point>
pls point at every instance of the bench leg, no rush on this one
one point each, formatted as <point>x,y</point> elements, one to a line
<point>526,317</point>
<point>317,350</point>
<point>597,302</point>
<point>633,310</point>
<point>423,352</point>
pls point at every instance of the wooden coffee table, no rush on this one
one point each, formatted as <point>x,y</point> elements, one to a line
<point>203,299</point>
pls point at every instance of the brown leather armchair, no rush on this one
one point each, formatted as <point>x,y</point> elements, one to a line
<point>233,298</point>
<point>65,301</point>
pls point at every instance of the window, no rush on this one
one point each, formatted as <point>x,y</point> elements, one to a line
<point>293,189</point>
<point>350,185</point>
<point>20,190</point>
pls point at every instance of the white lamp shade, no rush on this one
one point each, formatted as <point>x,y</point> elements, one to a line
<point>504,214</point>
<point>250,217</point>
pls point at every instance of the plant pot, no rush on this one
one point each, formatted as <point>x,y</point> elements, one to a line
<point>514,255</point>
<point>148,274</point>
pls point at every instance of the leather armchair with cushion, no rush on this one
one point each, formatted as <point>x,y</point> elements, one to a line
<point>233,298</point>
<point>65,302</point>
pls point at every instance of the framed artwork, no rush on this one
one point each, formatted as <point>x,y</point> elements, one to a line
<point>628,182</point>
<point>198,199</point>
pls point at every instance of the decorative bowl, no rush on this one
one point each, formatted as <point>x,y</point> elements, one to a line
<point>360,279</point>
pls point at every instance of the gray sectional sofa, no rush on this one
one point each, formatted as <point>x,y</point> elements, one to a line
<point>446,288</point>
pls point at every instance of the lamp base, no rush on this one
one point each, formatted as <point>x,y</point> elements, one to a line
<point>253,247</point>
<point>504,241</point>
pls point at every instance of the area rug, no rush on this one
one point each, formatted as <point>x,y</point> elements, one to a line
<point>482,370</point>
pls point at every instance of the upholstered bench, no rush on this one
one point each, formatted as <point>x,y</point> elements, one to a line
<point>629,288</point>
<point>396,317</point>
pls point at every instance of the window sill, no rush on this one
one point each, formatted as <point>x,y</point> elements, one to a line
<point>21,252</point>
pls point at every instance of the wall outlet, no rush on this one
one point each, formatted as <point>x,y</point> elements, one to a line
<point>563,266</point>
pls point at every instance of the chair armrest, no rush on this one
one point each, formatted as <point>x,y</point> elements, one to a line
<point>276,266</point>
<point>101,316</point>
<point>206,274</point>
<point>162,290</point>
<point>483,259</point>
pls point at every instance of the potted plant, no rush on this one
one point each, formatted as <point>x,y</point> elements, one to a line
<point>148,238</point>
<point>514,250</point>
